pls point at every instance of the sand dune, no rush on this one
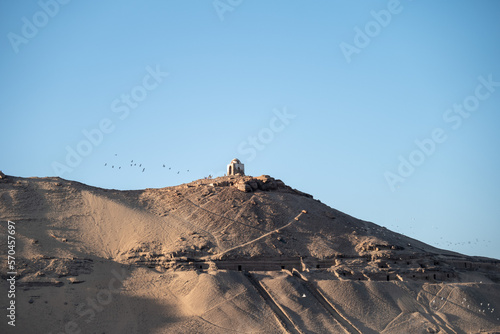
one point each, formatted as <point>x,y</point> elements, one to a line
<point>221,256</point>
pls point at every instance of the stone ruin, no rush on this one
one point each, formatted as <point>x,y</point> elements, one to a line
<point>236,168</point>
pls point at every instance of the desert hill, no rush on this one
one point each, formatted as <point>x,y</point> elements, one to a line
<point>235,254</point>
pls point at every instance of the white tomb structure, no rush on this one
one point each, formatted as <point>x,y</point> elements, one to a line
<point>236,168</point>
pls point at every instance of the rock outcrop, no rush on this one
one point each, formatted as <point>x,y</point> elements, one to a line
<point>264,183</point>
<point>215,254</point>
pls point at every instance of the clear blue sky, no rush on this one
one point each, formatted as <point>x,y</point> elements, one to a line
<point>360,82</point>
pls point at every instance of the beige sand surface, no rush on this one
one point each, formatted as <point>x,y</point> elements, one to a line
<point>228,255</point>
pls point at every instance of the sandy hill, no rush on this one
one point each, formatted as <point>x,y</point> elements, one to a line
<point>235,254</point>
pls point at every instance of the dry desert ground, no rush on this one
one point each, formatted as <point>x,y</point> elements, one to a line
<point>235,254</point>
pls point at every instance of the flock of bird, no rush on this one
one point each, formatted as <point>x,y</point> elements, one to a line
<point>483,308</point>
<point>445,243</point>
<point>462,243</point>
<point>135,164</point>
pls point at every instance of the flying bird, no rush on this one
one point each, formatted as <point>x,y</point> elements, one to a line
<point>106,164</point>
<point>143,170</point>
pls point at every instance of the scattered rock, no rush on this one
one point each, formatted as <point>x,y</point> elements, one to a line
<point>74,280</point>
<point>253,184</point>
<point>244,186</point>
<point>301,193</point>
<point>264,182</point>
<point>329,215</point>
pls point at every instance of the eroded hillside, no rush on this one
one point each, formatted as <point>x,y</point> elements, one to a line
<point>232,254</point>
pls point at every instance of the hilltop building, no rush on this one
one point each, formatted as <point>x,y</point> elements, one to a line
<point>236,168</point>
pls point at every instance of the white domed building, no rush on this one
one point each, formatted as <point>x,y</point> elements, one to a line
<point>236,168</point>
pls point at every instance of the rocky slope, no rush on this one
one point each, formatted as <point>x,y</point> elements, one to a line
<point>235,254</point>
